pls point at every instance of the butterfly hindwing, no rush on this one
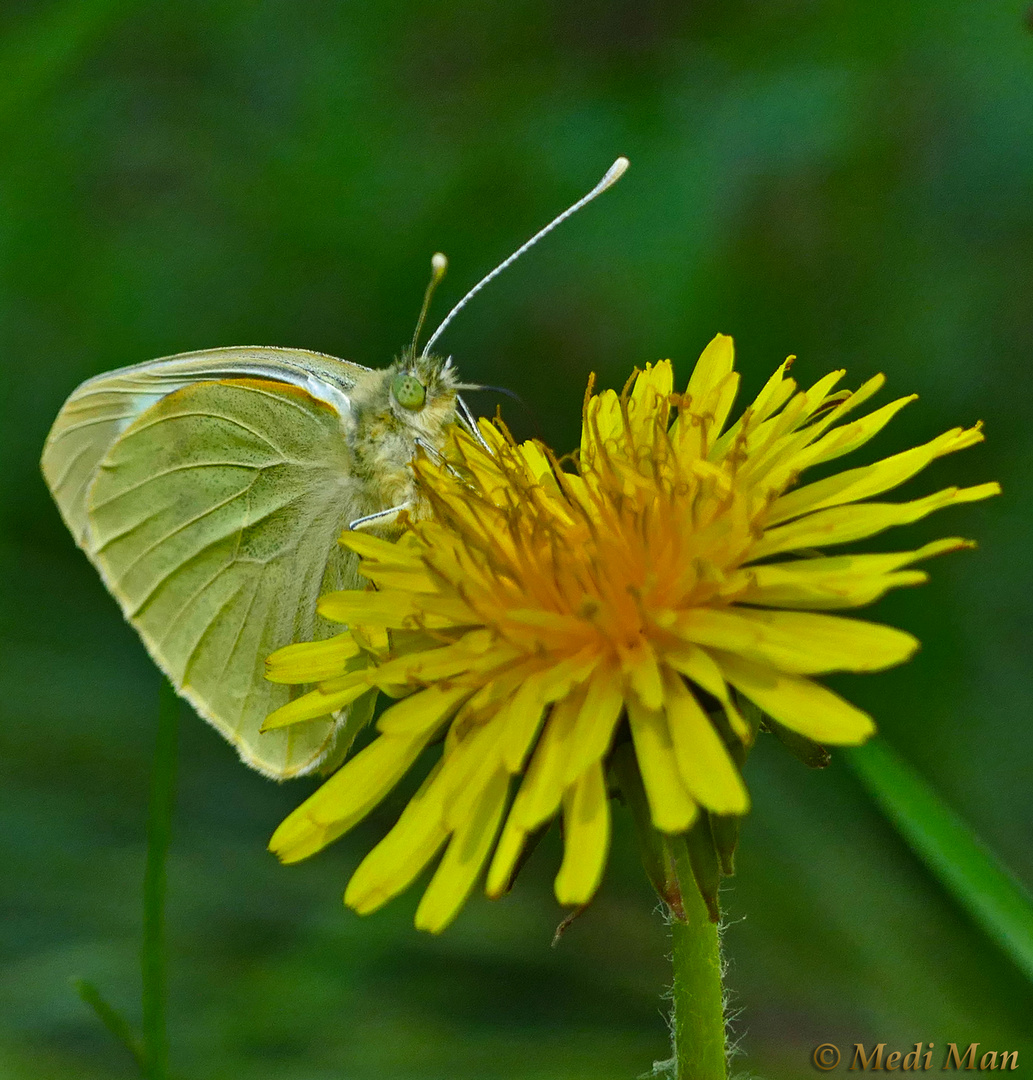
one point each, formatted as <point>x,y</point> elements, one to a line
<point>213,518</point>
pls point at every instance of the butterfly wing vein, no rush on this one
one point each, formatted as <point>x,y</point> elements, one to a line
<point>215,536</point>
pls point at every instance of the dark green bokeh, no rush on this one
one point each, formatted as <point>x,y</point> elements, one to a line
<point>846,181</point>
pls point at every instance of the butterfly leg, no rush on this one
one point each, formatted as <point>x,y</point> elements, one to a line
<point>381,517</point>
<point>431,451</point>
<point>471,423</point>
<point>438,458</point>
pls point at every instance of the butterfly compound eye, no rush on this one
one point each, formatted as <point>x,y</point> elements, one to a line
<point>409,392</point>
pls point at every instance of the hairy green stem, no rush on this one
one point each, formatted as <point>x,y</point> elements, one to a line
<point>699,1025</point>
<point>159,828</point>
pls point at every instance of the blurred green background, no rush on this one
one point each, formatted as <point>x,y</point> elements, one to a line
<point>851,182</point>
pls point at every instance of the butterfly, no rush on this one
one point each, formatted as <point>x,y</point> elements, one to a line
<point>209,489</point>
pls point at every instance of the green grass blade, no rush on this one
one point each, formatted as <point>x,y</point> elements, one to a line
<point>159,828</point>
<point>949,847</point>
<point>112,1019</point>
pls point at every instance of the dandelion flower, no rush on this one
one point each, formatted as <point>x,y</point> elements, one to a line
<point>538,616</point>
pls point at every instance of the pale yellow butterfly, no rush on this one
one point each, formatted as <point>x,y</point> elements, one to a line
<point>209,490</point>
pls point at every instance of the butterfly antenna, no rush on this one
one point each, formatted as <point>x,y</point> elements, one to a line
<point>438,266</point>
<point>613,174</point>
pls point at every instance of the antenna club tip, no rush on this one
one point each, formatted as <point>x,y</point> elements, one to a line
<point>438,264</point>
<point>616,170</point>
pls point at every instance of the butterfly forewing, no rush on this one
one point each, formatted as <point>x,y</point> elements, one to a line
<point>102,408</point>
<point>212,513</point>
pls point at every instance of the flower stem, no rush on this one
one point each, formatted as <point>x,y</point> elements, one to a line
<point>159,823</point>
<point>699,1025</point>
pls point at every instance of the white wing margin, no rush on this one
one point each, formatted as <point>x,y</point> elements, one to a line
<point>99,410</point>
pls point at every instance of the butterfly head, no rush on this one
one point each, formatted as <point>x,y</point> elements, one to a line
<point>421,393</point>
<point>394,410</point>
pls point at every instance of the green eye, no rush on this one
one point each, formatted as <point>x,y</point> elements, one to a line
<point>409,392</point>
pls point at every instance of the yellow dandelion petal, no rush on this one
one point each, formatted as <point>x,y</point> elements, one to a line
<point>643,674</point>
<point>761,437</point>
<point>586,838</point>
<point>809,447</point>
<point>311,661</point>
<point>416,579</point>
<point>797,641</point>
<point>466,853</point>
<point>777,391</point>
<point>378,551</point>
<point>492,435</point>
<point>473,652</point>
<point>841,581</point>
<point>671,806</point>
<point>559,678</point>
<point>537,462</point>
<point>845,524</point>
<point>776,445</point>
<point>346,797</point>
<point>699,666</point>
<point>596,722</point>
<point>562,625</point>
<point>465,767</point>
<point>705,768</point>
<point>370,609</point>
<point>520,720</point>
<point>651,391</point>
<point>869,480</point>
<point>393,865</point>
<point>690,437</point>
<point>787,449</point>
<point>540,793</point>
<point>603,422</point>
<point>497,690</point>
<point>718,406</point>
<point>552,622</point>
<point>413,715</point>
<point>713,366</point>
<point>507,854</point>
<point>485,767</point>
<point>854,435</point>
<point>817,396</point>
<point>799,703</point>
<point>320,702</point>
<point>851,400</point>
<point>653,384</point>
